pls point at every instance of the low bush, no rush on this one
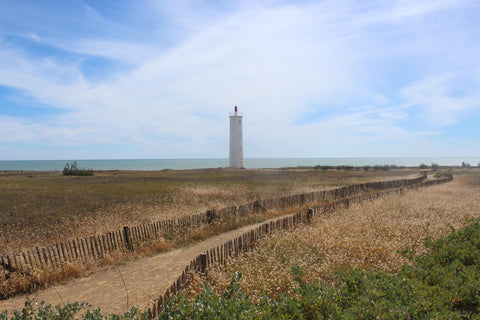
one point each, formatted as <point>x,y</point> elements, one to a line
<point>73,170</point>
<point>443,174</point>
<point>42,311</point>
<point>440,284</point>
<point>466,165</point>
<point>317,167</point>
<point>345,167</point>
<point>380,168</point>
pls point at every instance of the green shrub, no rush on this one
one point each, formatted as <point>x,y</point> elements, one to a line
<point>345,167</point>
<point>466,165</point>
<point>443,174</point>
<point>441,284</point>
<point>73,170</point>
<point>380,168</point>
<point>43,311</point>
<point>321,167</point>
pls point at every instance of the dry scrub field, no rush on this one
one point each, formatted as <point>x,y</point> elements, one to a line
<point>39,208</point>
<point>367,236</point>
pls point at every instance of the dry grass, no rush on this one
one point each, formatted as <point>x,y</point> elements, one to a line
<point>13,283</point>
<point>16,282</point>
<point>39,208</point>
<point>367,235</point>
<point>141,198</point>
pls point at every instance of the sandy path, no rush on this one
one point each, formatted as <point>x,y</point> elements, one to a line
<point>146,279</point>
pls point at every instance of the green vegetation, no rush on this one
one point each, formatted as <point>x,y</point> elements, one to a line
<point>43,311</point>
<point>466,165</point>
<point>441,284</point>
<point>73,170</point>
<point>366,168</point>
<point>384,167</point>
<point>443,174</point>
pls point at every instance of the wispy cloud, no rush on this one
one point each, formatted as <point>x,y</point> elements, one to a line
<point>354,73</point>
<point>443,99</point>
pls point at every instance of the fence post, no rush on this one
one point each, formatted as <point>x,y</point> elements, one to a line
<point>7,264</point>
<point>309,215</point>
<point>210,216</point>
<point>203,262</point>
<point>127,233</point>
<point>257,207</point>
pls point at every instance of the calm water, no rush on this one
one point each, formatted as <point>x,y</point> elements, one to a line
<point>160,164</point>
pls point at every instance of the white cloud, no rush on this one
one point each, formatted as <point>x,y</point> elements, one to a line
<point>15,130</point>
<point>442,99</point>
<point>278,63</point>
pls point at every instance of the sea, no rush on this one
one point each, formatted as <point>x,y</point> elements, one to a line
<point>249,163</point>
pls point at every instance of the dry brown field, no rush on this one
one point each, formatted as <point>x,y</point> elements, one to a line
<point>39,208</point>
<point>369,235</point>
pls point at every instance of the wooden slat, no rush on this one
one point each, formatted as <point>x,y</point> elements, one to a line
<point>93,251</point>
<point>62,254</point>
<point>98,246</point>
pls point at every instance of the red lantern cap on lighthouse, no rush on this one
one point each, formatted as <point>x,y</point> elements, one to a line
<point>236,109</point>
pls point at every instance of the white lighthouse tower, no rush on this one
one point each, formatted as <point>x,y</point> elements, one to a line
<point>236,139</point>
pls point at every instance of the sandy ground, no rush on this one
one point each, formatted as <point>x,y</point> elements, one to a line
<point>146,279</point>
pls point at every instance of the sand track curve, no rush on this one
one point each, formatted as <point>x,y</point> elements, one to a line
<point>145,278</point>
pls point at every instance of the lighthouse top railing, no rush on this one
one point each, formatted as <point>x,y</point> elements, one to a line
<point>233,114</point>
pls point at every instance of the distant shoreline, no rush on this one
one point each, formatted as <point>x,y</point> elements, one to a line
<point>317,167</point>
<point>250,163</point>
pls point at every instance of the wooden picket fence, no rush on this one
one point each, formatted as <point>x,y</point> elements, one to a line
<point>246,241</point>
<point>130,238</point>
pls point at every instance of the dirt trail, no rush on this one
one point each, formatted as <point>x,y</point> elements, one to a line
<point>146,279</point>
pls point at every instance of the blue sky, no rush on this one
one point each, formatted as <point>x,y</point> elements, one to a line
<point>156,79</point>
